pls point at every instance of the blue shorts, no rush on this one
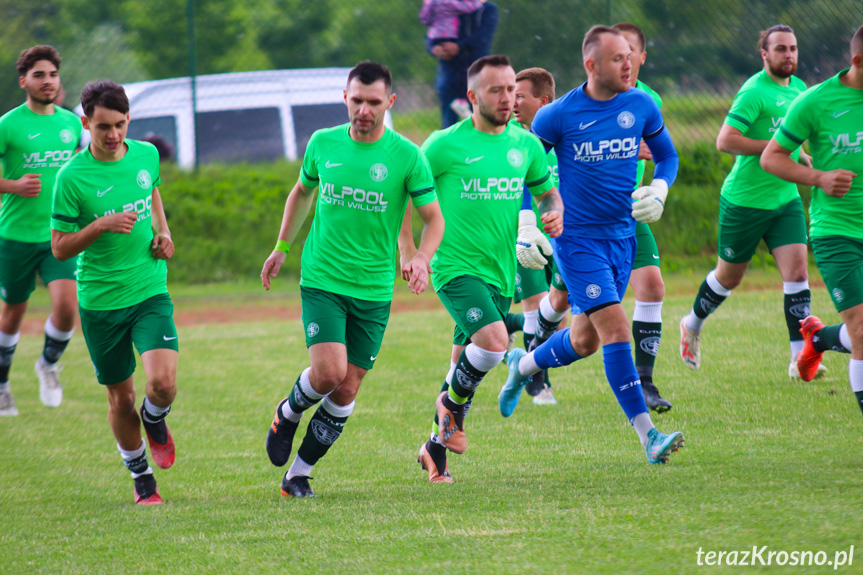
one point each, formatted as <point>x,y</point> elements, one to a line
<point>596,272</point>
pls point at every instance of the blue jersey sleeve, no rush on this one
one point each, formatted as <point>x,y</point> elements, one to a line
<point>546,126</point>
<point>526,201</point>
<point>664,155</point>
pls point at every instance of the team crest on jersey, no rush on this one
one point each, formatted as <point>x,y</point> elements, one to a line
<point>378,172</point>
<point>313,329</point>
<point>66,136</point>
<point>474,314</point>
<point>593,291</point>
<point>838,295</point>
<point>144,180</point>
<point>515,158</point>
<point>650,345</point>
<point>625,119</point>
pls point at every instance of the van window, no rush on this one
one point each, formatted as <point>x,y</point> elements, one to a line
<point>143,128</point>
<point>251,135</point>
<point>313,117</point>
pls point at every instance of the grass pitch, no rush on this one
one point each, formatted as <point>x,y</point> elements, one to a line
<point>564,489</point>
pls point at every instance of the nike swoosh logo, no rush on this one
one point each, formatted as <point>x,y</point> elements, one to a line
<point>586,126</point>
<point>780,103</point>
<point>656,257</point>
<point>166,338</point>
<point>329,165</point>
<point>469,160</point>
<point>100,194</point>
<point>839,114</point>
<point>31,136</point>
<point>374,357</point>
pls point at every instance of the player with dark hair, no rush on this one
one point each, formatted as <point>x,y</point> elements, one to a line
<point>480,166</point>
<point>755,204</point>
<point>830,117</point>
<point>596,130</point>
<point>365,174</point>
<point>36,139</point>
<point>122,276</point>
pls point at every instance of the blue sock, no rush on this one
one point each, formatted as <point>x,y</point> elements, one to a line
<point>556,352</point>
<point>623,378</point>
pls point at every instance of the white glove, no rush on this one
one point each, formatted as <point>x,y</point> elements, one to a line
<point>530,241</point>
<point>649,201</point>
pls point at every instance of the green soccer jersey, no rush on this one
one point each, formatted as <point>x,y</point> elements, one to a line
<point>480,178</point>
<point>33,143</point>
<point>364,188</point>
<point>117,270</point>
<point>830,116</point>
<point>650,92</point>
<point>757,112</point>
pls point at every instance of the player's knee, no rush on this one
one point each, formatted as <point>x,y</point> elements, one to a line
<point>121,400</point>
<point>345,393</point>
<point>558,301</point>
<point>584,343</point>
<point>164,385</point>
<point>327,378</point>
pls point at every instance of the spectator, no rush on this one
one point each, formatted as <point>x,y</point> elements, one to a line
<point>475,33</point>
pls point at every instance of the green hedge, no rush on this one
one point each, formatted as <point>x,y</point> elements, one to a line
<point>225,219</point>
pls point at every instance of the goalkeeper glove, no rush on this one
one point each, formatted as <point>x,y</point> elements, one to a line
<point>649,201</point>
<point>530,241</point>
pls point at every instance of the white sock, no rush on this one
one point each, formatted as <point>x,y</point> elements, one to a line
<point>299,467</point>
<point>548,312</point>
<point>306,387</point>
<point>844,338</point>
<point>642,425</point>
<point>796,347</point>
<point>647,311</point>
<point>4,387</point>
<point>717,287</point>
<point>527,365</point>
<point>794,287</point>
<point>530,322</point>
<point>855,374</point>
<point>693,323</point>
<point>337,410</point>
<point>9,339</point>
<point>483,359</point>
<point>130,455</point>
<point>450,373</point>
<point>54,332</point>
<point>151,408</point>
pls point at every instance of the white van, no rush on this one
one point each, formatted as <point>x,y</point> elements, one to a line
<point>242,116</point>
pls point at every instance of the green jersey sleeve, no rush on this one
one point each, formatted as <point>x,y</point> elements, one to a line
<point>420,183</point>
<point>538,179</point>
<point>745,110</point>
<point>309,174</point>
<point>797,126</point>
<point>66,208</point>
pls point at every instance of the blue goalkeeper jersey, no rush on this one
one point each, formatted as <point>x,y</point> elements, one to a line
<point>597,153</point>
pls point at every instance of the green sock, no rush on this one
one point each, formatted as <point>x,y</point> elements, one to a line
<point>324,429</point>
<point>827,339</point>
<point>465,380</point>
<point>647,336</point>
<point>706,301</point>
<point>514,322</point>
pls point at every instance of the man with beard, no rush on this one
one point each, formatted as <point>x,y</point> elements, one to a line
<point>36,139</point>
<point>480,167</point>
<point>755,204</point>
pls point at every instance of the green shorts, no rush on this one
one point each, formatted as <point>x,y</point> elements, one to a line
<point>19,263</point>
<point>740,229</point>
<point>473,304</point>
<point>356,323</point>
<point>646,250</point>
<point>110,335</point>
<point>840,261</point>
<point>529,283</point>
<point>557,279</point>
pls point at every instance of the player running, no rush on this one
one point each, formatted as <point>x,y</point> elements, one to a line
<point>366,174</point>
<point>36,139</point>
<point>830,117</point>
<point>534,88</point>
<point>757,205</point>
<point>596,130</point>
<point>122,276</point>
<point>481,166</point>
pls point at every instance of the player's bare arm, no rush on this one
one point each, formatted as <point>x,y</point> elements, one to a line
<point>551,212</point>
<point>732,141</point>
<point>297,208</point>
<point>778,161</point>
<point>163,245</point>
<point>28,186</point>
<point>407,247</point>
<point>68,245</point>
<point>418,268</point>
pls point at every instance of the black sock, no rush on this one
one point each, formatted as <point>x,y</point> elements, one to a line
<point>6,354</point>
<point>514,322</point>
<point>323,430</point>
<point>466,378</point>
<point>797,307</point>
<point>706,301</point>
<point>647,336</point>
<point>53,349</point>
<point>137,465</point>
<point>859,395</point>
<point>827,339</point>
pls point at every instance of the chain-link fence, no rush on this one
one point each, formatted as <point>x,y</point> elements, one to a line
<point>699,53</point>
